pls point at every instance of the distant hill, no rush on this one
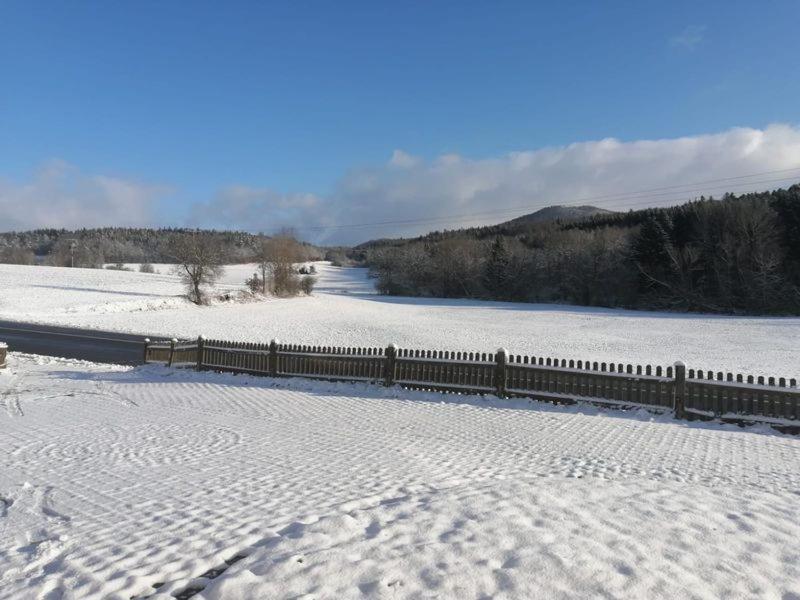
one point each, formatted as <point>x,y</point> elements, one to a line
<point>558,213</point>
<point>550,214</point>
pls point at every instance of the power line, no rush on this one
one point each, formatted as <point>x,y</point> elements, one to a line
<point>647,194</point>
<point>529,208</point>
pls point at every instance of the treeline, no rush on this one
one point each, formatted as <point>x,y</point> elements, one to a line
<point>93,248</point>
<point>738,254</point>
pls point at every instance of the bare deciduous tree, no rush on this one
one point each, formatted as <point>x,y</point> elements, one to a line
<point>17,256</point>
<point>276,257</point>
<point>200,257</point>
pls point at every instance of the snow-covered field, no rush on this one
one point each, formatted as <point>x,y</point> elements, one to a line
<point>113,480</point>
<point>345,311</point>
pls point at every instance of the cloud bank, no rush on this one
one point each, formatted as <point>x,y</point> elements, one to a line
<point>60,195</point>
<point>454,191</point>
<point>410,195</point>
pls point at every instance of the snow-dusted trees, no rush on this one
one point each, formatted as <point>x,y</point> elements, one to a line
<point>17,256</point>
<point>72,252</point>
<point>737,254</point>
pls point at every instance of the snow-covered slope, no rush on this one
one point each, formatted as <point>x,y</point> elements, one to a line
<point>345,311</point>
<point>114,480</point>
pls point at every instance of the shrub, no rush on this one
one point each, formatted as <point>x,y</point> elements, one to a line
<point>118,267</point>
<point>255,284</point>
<point>307,284</point>
<point>146,268</point>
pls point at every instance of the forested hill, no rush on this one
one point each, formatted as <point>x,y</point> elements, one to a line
<point>94,247</point>
<point>557,213</point>
<point>734,254</point>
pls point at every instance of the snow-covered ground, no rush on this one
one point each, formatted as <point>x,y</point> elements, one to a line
<point>113,480</point>
<point>345,311</point>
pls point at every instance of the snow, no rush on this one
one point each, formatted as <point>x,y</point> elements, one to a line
<point>115,479</point>
<point>345,311</point>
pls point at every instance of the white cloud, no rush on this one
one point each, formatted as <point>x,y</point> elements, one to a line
<point>258,209</point>
<point>403,159</point>
<point>689,38</point>
<point>437,194</point>
<point>417,195</point>
<point>60,195</point>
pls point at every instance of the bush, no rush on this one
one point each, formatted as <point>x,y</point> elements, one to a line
<point>285,284</point>
<point>146,268</point>
<point>118,267</point>
<point>307,284</point>
<point>255,284</point>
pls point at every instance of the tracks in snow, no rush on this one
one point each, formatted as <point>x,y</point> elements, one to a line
<point>165,474</point>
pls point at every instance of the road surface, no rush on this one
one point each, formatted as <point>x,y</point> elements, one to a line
<point>86,344</point>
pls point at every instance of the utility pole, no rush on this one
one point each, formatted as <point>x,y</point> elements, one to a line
<point>72,254</point>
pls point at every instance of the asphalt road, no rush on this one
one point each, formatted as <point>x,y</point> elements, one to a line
<point>86,344</point>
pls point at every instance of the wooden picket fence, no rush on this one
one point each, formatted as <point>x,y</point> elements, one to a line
<point>688,393</point>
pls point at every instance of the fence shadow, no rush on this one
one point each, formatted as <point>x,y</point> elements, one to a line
<point>344,389</point>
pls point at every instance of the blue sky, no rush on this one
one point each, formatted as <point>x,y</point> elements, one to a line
<point>195,109</point>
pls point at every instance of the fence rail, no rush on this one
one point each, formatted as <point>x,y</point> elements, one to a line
<point>688,393</point>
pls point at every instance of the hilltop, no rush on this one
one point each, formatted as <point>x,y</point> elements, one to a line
<point>558,213</point>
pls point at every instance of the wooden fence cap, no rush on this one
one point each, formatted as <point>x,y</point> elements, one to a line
<point>275,341</point>
<point>146,340</point>
<point>174,340</point>
<point>679,363</point>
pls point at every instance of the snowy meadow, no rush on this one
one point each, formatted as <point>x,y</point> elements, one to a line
<point>344,310</point>
<point>130,483</point>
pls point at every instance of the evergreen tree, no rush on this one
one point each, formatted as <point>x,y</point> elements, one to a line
<point>498,275</point>
<point>651,246</point>
<point>786,204</point>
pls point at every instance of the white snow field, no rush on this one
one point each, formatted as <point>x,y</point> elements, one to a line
<point>114,481</point>
<point>345,311</point>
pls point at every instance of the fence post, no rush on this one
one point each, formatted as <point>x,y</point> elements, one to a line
<point>273,358</point>
<point>679,391</point>
<point>388,365</point>
<point>500,372</point>
<point>144,355</point>
<point>201,342</point>
<point>172,343</point>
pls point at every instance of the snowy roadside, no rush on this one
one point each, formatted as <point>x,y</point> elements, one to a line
<point>116,479</point>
